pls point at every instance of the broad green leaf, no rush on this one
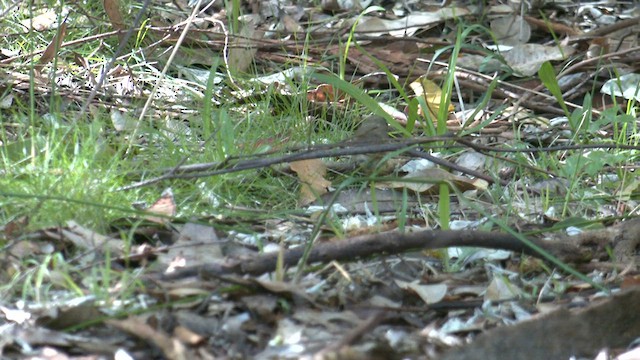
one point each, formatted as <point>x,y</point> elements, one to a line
<point>548,77</point>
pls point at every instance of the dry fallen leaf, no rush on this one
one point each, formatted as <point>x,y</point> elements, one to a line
<point>171,347</point>
<point>15,227</point>
<point>408,25</point>
<point>311,174</point>
<point>197,245</point>
<point>426,181</point>
<point>430,294</point>
<point>50,52</point>
<point>324,93</point>
<point>243,48</point>
<point>432,95</point>
<point>165,206</point>
<point>526,59</point>
<point>511,29</point>
<point>112,8</point>
<point>44,21</point>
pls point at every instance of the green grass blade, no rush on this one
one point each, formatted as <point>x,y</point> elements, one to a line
<point>548,77</point>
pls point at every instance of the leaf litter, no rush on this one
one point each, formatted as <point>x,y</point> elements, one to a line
<point>361,274</point>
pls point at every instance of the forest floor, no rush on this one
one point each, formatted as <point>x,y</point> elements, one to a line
<point>319,180</point>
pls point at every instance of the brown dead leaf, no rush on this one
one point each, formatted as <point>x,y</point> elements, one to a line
<point>165,206</point>
<point>24,249</point>
<point>324,93</point>
<point>197,245</point>
<point>172,348</point>
<point>50,52</point>
<point>511,29</point>
<point>243,48</point>
<point>526,59</point>
<point>112,8</point>
<point>15,227</point>
<point>311,174</point>
<point>290,24</point>
<point>281,287</point>
<point>630,281</point>
<point>86,239</point>
<point>187,336</point>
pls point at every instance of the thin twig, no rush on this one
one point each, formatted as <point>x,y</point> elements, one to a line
<point>333,150</point>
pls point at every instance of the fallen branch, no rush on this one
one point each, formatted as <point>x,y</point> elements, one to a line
<point>569,249</point>
<point>561,334</point>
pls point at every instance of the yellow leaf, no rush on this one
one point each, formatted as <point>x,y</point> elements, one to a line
<point>432,95</point>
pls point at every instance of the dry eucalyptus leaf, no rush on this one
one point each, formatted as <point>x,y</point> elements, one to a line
<point>511,30</point>
<point>501,289</point>
<point>50,52</point>
<point>432,95</point>
<point>311,174</point>
<point>408,25</point>
<point>112,8</point>
<point>526,59</point>
<point>430,294</point>
<point>426,181</point>
<point>242,49</point>
<point>480,63</point>
<point>197,245</point>
<point>627,86</point>
<point>165,206</point>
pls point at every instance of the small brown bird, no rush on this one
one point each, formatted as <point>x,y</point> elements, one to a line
<point>373,130</point>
